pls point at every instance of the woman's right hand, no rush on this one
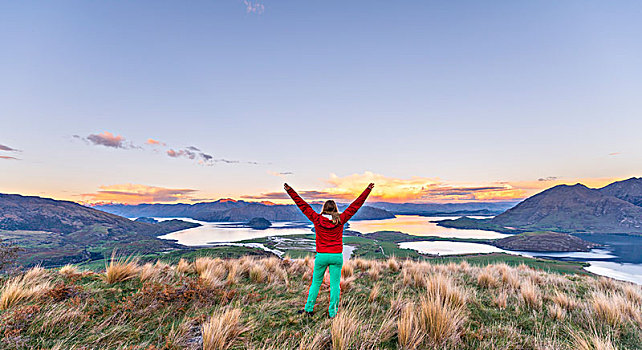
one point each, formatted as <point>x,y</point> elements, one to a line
<point>371,185</point>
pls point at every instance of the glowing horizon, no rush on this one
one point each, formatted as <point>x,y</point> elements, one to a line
<point>413,190</point>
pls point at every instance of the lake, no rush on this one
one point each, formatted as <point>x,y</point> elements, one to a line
<point>621,258</point>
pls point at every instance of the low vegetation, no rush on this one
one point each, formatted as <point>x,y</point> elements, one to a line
<point>251,303</point>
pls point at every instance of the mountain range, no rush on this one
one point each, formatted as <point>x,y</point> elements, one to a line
<point>436,209</point>
<point>230,210</point>
<point>615,208</point>
<point>56,232</point>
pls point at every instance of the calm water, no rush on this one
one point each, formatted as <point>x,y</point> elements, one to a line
<point>621,257</point>
<point>449,248</point>
<point>420,226</point>
<point>219,232</point>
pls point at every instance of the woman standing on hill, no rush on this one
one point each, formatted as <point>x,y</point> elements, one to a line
<point>328,226</point>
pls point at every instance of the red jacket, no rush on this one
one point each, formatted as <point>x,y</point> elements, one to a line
<point>329,236</point>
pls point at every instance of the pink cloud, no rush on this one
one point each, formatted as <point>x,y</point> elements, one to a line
<point>107,139</point>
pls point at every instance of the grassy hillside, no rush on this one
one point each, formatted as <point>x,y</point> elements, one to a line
<point>251,303</point>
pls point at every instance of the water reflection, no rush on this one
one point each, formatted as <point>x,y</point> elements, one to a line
<point>449,248</point>
<point>218,232</point>
<point>420,226</point>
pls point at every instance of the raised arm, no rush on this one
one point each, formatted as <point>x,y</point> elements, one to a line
<point>354,207</point>
<point>303,205</point>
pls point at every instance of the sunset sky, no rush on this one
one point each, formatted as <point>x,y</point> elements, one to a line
<point>434,101</point>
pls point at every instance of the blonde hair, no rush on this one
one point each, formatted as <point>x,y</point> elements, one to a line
<point>330,208</point>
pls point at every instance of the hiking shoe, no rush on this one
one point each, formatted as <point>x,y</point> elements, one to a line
<point>303,312</point>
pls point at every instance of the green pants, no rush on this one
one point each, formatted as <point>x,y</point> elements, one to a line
<point>334,261</point>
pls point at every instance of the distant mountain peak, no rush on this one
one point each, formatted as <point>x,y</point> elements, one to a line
<point>629,190</point>
<point>224,200</point>
<point>577,208</point>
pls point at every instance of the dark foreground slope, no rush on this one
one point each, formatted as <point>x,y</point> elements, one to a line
<point>55,232</point>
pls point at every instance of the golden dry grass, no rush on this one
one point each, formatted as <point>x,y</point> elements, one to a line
<point>344,330</point>
<point>500,300</point>
<point>393,264</point>
<point>184,266</point>
<point>530,294</point>
<point>374,293</point>
<point>564,300</point>
<point>592,341</point>
<point>69,270</point>
<point>486,279</point>
<point>223,329</point>
<point>31,285</point>
<point>556,312</point>
<point>608,307</point>
<point>409,333</point>
<point>374,272</point>
<point>120,269</point>
<point>413,305</point>
<point>257,274</point>
<point>440,286</point>
<point>213,274</point>
<point>347,270</point>
<point>440,320</point>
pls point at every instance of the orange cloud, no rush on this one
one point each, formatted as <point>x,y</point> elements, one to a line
<point>423,189</point>
<point>136,194</point>
<point>154,142</point>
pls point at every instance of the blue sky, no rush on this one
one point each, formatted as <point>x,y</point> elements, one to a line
<point>417,95</point>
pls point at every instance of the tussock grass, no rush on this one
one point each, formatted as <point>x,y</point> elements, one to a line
<point>500,300</point>
<point>440,319</point>
<point>213,274</point>
<point>556,312</point>
<point>486,280</point>
<point>530,294</point>
<point>344,330</point>
<point>409,333</point>
<point>251,303</point>
<point>592,341</point>
<point>69,270</point>
<point>441,287</point>
<point>393,264</point>
<point>223,329</point>
<point>374,293</point>
<point>563,300</point>
<point>184,266</point>
<point>34,283</point>
<point>374,272</point>
<point>120,269</point>
<point>347,270</point>
<point>608,307</point>
<point>257,274</point>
